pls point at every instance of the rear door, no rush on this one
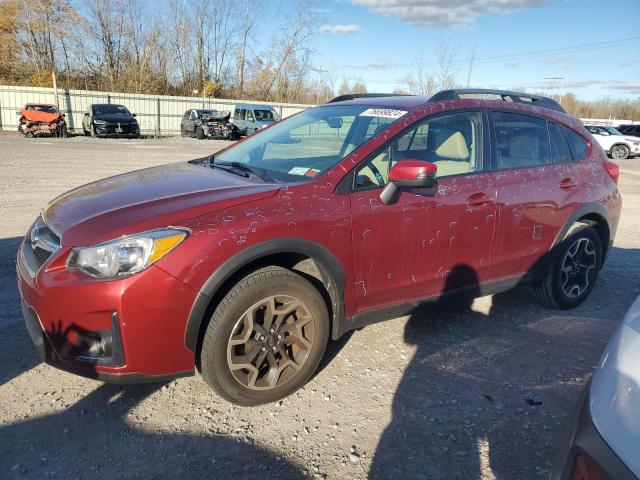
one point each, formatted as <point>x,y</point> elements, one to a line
<point>430,240</point>
<point>538,187</point>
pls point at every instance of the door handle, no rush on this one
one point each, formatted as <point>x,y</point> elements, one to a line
<point>567,183</point>
<point>479,199</point>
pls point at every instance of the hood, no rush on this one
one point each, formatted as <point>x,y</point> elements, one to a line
<point>115,118</point>
<point>265,123</point>
<point>632,139</point>
<point>146,199</point>
<point>37,116</point>
<point>216,117</point>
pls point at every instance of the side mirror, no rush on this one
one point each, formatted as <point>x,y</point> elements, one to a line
<point>133,114</point>
<point>334,122</point>
<point>409,173</point>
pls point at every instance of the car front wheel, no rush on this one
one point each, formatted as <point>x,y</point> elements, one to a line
<point>265,338</point>
<point>619,152</point>
<point>573,269</point>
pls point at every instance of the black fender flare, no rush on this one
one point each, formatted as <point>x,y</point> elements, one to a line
<point>582,211</point>
<point>330,269</point>
<point>537,273</point>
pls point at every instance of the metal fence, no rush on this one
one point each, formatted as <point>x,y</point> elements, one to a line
<point>158,115</point>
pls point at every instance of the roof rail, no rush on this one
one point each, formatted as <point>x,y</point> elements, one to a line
<point>519,97</point>
<point>353,96</point>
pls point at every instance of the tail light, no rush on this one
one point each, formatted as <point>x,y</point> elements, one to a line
<point>584,468</point>
<point>612,169</point>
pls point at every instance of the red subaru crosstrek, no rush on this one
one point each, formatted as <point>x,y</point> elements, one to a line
<point>245,263</point>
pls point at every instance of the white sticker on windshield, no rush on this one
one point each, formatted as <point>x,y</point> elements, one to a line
<point>298,171</point>
<point>383,112</point>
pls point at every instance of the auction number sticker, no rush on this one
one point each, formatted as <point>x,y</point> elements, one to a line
<point>383,112</point>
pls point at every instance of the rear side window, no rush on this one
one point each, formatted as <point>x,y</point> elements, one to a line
<point>521,140</point>
<point>579,146</point>
<point>560,150</point>
<point>239,114</point>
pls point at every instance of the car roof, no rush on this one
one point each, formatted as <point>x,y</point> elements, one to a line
<point>107,105</point>
<point>254,106</point>
<point>40,104</point>
<point>406,102</point>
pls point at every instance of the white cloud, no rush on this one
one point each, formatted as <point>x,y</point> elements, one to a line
<point>444,12</point>
<point>339,29</point>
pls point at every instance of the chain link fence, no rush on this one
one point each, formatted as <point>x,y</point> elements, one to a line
<point>158,115</point>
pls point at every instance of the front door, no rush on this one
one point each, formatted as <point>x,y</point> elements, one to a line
<point>432,240</point>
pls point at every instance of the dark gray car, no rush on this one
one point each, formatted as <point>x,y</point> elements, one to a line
<point>110,120</point>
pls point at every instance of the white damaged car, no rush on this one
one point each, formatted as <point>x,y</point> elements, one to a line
<point>616,144</point>
<point>602,438</point>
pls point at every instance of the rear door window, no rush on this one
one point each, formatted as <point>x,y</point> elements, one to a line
<point>521,140</point>
<point>560,150</point>
<point>579,146</point>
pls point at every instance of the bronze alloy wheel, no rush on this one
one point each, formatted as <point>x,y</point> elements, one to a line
<point>578,267</point>
<point>270,342</point>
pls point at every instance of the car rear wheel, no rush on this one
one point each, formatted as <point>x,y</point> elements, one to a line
<point>265,338</point>
<point>573,269</point>
<point>199,133</point>
<point>619,152</point>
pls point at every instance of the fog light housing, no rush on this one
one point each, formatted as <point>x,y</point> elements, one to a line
<point>99,347</point>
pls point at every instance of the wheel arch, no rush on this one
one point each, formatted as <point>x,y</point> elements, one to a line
<point>594,214</point>
<point>308,258</point>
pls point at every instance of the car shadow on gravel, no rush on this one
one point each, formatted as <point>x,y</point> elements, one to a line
<point>17,354</point>
<point>485,395</point>
<point>106,435</point>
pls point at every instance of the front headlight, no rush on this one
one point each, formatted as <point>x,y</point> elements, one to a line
<point>99,122</point>
<point>126,255</point>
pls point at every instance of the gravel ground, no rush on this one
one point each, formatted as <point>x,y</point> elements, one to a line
<point>455,392</point>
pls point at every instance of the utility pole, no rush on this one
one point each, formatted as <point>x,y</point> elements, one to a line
<point>555,79</point>
<point>55,88</point>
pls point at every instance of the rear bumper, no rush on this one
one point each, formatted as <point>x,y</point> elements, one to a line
<point>123,331</point>
<point>580,438</point>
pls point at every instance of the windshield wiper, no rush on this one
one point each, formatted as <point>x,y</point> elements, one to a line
<point>242,167</point>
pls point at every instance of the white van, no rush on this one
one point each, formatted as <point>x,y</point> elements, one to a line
<point>249,117</point>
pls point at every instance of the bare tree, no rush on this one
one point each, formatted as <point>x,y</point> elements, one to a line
<point>446,54</point>
<point>419,81</point>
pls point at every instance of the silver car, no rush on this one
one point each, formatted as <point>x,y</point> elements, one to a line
<point>249,117</point>
<point>602,440</point>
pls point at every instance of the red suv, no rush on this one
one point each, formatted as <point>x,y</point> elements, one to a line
<point>245,263</point>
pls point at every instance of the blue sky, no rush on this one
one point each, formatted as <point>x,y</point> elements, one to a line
<point>534,40</point>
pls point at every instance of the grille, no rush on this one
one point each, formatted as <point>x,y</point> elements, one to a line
<point>40,244</point>
<point>41,255</point>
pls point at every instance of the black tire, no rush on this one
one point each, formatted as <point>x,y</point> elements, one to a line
<point>200,133</point>
<point>551,291</point>
<point>214,354</point>
<point>619,152</point>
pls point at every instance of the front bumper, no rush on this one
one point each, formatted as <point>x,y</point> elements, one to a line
<point>580,438</point>
<point>112,130</point>
<point>122,331</point>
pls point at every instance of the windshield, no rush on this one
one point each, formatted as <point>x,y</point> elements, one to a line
<point>42,108</point>
<point>612,130</point>
<point>266,115</point>
<point>311,142</point>
<point>110,110</point>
